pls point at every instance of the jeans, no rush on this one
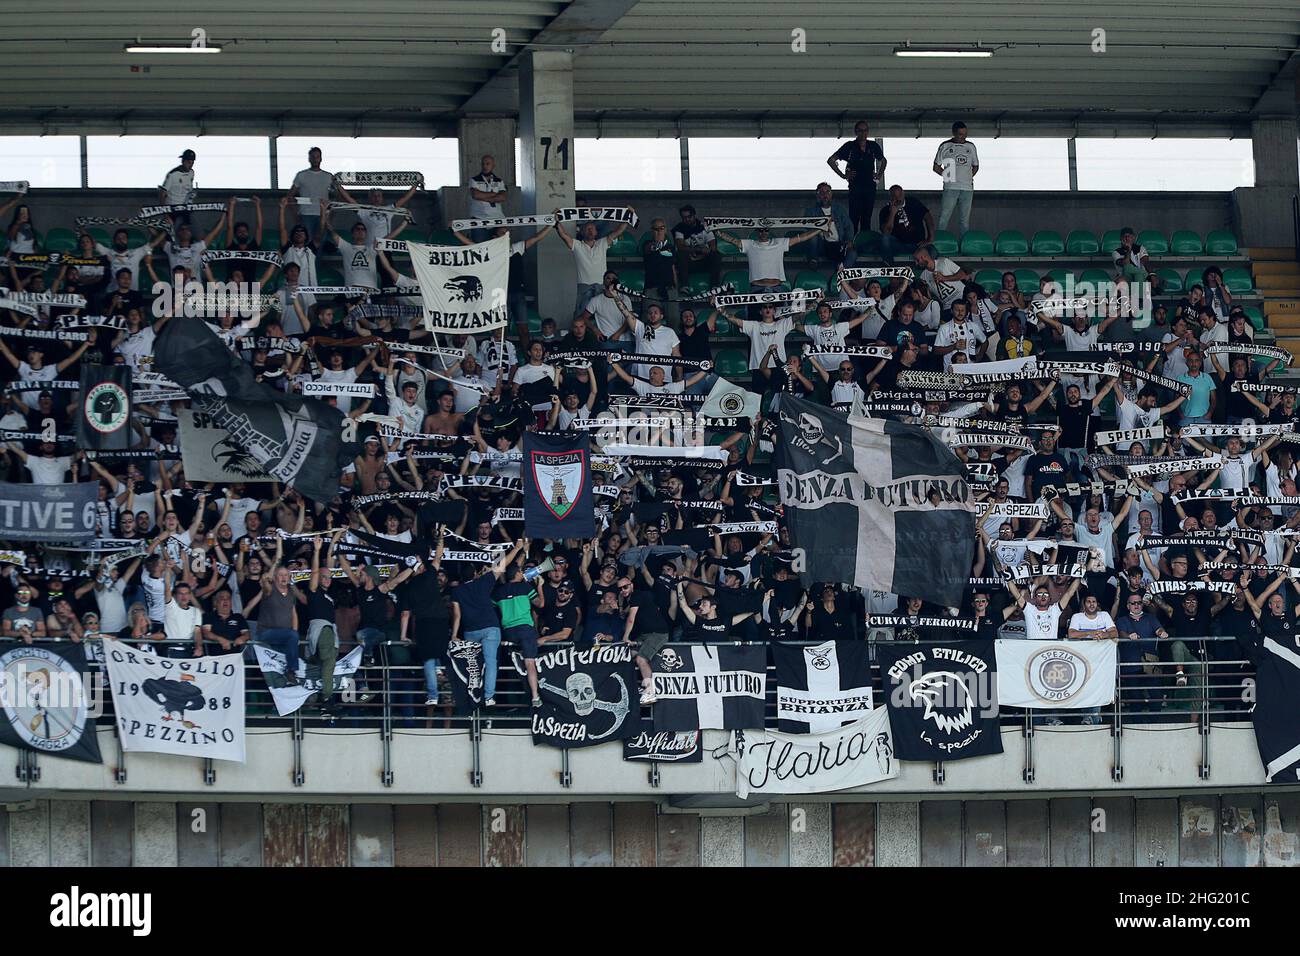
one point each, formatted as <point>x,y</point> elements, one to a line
<point>312,225</point>
<point>891,248</point>
<point>1075,456</point>
<point>837,253</point>
<point>959,200</point>
<point>370,638</point>
<point>284,640</point>
<point>584,294</point>
<point>431,676</point>
<point>1196,420</point>
<point>490,638</point>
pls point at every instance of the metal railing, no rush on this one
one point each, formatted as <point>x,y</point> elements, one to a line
<point>1193,680</point>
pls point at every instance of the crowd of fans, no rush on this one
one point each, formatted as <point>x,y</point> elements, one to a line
<point>223,565</point>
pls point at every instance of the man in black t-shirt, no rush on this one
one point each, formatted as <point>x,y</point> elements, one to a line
<point>696,249</point>
<point>559,619</point>
<point>1047,467</point>
<point>645,626</point>
<point>905,223</point>
<point>864,162</point>
<point>223,631</point>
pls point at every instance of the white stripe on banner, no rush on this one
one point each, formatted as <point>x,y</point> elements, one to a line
<point>1056,675</point>
<point>823,690</point>
<point>852,756</point>
<point>460,225</point>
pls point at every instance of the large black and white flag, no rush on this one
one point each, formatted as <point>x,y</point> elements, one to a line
<point>942,699</point>
<point>821,687</point>
<point>707,687</point>
<point>463,287</point>
<point>589,696</point>
<point>666,747</point>
<point>211,454</point>
<point>44,701</point>
<point>1276,714</point>
<point>297,440</point>
<point>191,708</point>
<point>882,505</point>
<point>104,419</point>
<point>465,660</point>
<point>852,756</point>
<point>52,514</point>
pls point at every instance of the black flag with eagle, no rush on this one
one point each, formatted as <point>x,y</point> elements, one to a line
<point>942,699</point>
<point>874,502</point>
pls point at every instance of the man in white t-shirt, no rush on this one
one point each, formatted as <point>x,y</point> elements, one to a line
<point>488,192</point>
<point>765,334</point>
<point>178,186</point>
<point>47,468</point>
<point>120,256</point>
<point>1142,413</point>
<point>828,334</point>
<point>1043,616</point>
<point>655,384</point>
<point>959,334</point>
<point>609,311</point>
<point>182,618</point>
<point>346,376</point>
<point>944,278</point>
<point>957,162</point>
<point>590,252</point>
<point>652,337</point>
<point>360,264</point>
<point>844,390</point>
<point>767,256</point>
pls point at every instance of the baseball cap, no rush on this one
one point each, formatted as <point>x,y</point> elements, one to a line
<point>188,154</point>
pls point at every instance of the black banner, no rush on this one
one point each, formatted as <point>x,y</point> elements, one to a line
<point>46,701</point>
<point>942,699</point>
<point>556,475</point>
<point>663,747</point>
<point>588,696</point>
<point>104,419</point>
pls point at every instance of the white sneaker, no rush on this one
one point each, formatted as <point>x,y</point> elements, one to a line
<point>1054,722</point>
<point>1181,679</point>
<point>648,694</point>
<point>490,702</point>
<point>431,701</point>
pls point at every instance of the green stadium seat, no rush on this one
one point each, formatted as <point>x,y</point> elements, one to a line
<point>1220,242</point>
<point>990,279</point>
<point>1256,316</point>
<point>975,243</point>
<point>1012,242</point>
<point>1154,241</point>
<point>1095,275</point>
<point>812,279</point>
<point>1027,279</point>
<point>1081,242</point>
<point>945,243</point>
<point>100,235</point>
<point>438,237</point>
<point>867,241</point>
<point>1058,276</point>
<point>624,247</point>
<point>1047,242</point>
<point>732,363</point>
<point>1184,242</point>
<point>633,277</point>
<point>534,321</point>
<point>1109,241</point>
<point>1173,282</point>
<point>697,285</point>
<point>738,278</point>
<point>1238,280</point>
<point>59,239</point>
<point>727,249</point>
<point>327,275</point>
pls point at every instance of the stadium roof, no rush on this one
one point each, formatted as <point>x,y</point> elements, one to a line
<point>652,67</point>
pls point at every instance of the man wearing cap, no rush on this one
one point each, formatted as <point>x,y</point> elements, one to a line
<point>178,185</point>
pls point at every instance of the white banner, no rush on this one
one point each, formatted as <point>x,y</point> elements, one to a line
<point>210,453</point>
<point>188,707</point>
<point>853,756</point>
<point>463,287</point>
<point>1056,675</point>
<point>288,698</point>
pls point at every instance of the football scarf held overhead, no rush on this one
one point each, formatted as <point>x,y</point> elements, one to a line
<point>759,222</point>
<point>1243,348</point>
<point>941,699</point>
<point>598,214</point>
<point>152,212</point>
<point>297,440</point>
<point>588,696</point>
<point>556,479</point>
<point>1156,432</point>
<point>853,756</point>
<point>463,287</point>
<point>104,416</point>
<point>704,686</point>
<point>47,705</point>
<point>767,298</point>
<point>874,502</point>
<point>1055,675</point>
<point>821,687</point>
<point>460,225</point>
<point>387,179</point>
<point>190,708</point>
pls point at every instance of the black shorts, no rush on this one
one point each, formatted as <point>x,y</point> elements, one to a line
<point>525,635</point>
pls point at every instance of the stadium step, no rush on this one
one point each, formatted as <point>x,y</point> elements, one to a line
<point>1281,307</point>
<point>1271,253</point>
<point>1291,344</point>
<point>1278,284</point>
<point>1276,267</point>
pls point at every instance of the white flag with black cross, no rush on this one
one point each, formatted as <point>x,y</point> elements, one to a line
<point>874,502</point>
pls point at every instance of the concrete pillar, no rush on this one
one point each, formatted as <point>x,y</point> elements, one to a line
<point>495,135</point>
<point>546,155</point>
<point>1273,144</point>
<point>155,834</point>
<point>1263,212</point>
<point>898,841</point>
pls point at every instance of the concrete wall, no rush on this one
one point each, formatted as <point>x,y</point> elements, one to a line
<point>1205,829</point>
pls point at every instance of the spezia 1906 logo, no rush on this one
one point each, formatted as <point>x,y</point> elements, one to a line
<point>1056,673</point>
<point>106,407</point>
